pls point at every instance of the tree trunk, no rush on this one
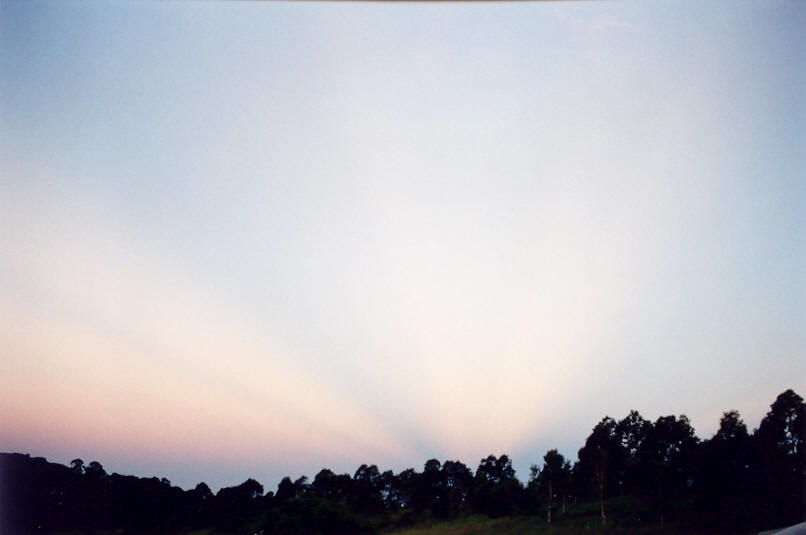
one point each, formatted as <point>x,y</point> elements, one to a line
<point>601,502</point>
<point>660,492</point>
<point>601,506</point>
<point>600,477</point>
<point>548,508</point>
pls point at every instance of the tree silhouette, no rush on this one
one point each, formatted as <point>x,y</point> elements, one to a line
<point>668,455</point>
<point>600,460</point>
<point>366,491</point>
<point>95,469</point>
<point>724,478</point>
<point>456,480</point>
<point>553,480</point>
<point>495,489</point>
<point>286,490</point>
<point>77,465</point>
<point>779,443</point>
<point>632,433</point>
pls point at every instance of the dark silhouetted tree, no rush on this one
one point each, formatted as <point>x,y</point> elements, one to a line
<point>77,465</point>
<point>286,490</point>
<point>631,432</point>
<point>553,480</point>
<point>403,488</point>
<point>723,483</point>
<point>366,497</point>
<point>600,461</point>
<point>668,457</point>
<point>427,491</point>
<point>234,505</point>
<point>779,446</point>
<point>456,479</point>
<point>495,489</point>
<point>95,469</point>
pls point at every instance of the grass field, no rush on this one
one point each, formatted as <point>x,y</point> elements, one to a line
<point>625,516</point>
<point>521,525</point>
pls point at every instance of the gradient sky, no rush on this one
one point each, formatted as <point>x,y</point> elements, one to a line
<point>257,239</point>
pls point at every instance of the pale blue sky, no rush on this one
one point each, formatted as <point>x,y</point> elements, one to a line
<point>256,238</point>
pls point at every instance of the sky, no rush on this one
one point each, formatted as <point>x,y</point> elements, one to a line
<point>256,239</point>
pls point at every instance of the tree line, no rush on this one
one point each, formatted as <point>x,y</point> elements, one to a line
<point>733,481</point>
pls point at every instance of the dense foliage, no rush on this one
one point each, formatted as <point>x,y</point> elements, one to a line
<point>736,480</point>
